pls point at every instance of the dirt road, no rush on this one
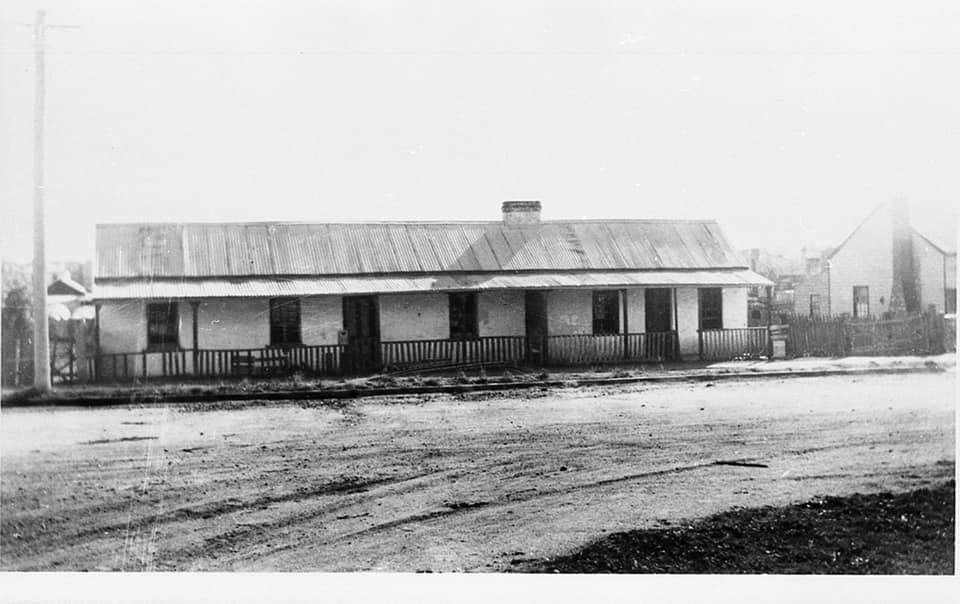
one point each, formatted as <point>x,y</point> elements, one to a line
<point>451,483</point>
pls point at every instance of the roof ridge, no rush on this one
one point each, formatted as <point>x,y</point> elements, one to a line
<point>401,222</point>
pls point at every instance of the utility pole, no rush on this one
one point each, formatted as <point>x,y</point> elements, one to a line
<point>41,326</point>
<point>41,332</point>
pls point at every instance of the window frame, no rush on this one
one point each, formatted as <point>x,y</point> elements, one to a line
<point>610,323</point>
<point>284,331</point>
<point>950,300</point>
<point>703,292</point>
<point>866,301</point>
<point>169,320</point>
<point>462,316</point>
<point>815,308</point>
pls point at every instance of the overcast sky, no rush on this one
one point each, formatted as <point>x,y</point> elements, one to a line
<point>787,122</point>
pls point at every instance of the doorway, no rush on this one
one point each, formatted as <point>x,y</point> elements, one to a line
<point>658,310</point>
<point>361,321</point>
<point>658,319</point>
<point>535,318</point>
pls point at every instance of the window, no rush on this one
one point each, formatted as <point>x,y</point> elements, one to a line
<point>463,316</point>
<point>861,301</point>
<point>711,308</point>
<point>950,304</point>
<point>606,312</point>
<point>163,326</point>
<point>814,305</point>
<point>284,321</point>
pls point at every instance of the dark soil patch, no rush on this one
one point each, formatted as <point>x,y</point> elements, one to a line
<point>907,533</point>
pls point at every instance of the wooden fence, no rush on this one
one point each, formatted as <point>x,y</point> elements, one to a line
<point>408,355</point>
<point>836,336</point>
<point>734,344</point>
<point>616,348</point>
<point>250,362</point>
<point>412,354</point>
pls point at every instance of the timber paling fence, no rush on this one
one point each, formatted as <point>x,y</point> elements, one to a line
<point>734,344</point>
<point>835,336</point>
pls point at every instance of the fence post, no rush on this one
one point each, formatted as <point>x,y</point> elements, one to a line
<point>769,323</point>
<point>846,338</point>
<point>194,306</point>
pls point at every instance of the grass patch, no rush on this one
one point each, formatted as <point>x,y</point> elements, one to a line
<point>907,533</point>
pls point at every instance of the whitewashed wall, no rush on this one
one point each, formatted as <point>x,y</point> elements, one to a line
<point>501,313</point>
<point>734,307</point>
<point>688,320</point>
<point>866,259</point>
<point>321,319</point>
<point>414,317</point>
<point>636,311</point>
<point>929,264</point>
<point>224,323</point>
<point>569,312</point>
<point>123,326</point>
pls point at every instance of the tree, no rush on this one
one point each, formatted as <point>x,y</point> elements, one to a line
<point>17,337</point>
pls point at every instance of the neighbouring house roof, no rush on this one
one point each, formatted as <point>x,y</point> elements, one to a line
<point>65,286</point>
<point>291,249</point>
<point>374,284</point>
<point>944,240</point>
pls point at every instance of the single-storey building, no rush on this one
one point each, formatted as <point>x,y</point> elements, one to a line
<point>213,299</point>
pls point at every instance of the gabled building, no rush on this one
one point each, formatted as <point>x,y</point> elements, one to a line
<point>360,297</point>
<point>884,266</point>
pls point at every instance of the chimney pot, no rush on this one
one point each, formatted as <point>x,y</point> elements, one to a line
<point>521,213</point>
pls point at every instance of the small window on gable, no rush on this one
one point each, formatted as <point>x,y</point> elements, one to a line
<point>606,312</point>
<point>861,301</point>
<point>163,326</point>
<point>711,307</point>
<point>463,316</point>
<point>814,305</point>
<point>284,321</point>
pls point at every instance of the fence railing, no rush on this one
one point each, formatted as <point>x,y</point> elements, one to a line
<point>591,349</point>
<point>131,366</point>
<point>494,350</point>
<point>393,356</point>
<point>734,344</point>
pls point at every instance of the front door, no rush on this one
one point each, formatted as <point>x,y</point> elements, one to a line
<point>658,319</point>
<point>361,321</point>
<point>535,312</point>
<point>658,310</point>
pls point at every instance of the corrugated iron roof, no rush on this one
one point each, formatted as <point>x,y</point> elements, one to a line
<point>312,286</point>
<point>294,249</point>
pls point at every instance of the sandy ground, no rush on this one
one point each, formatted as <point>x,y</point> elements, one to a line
<point>450,483</point>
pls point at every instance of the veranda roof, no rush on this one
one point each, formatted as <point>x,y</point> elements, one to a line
<point>373,284</point>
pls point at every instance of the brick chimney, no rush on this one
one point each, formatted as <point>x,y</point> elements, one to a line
<point>904,271</point>
<point>521,213</point>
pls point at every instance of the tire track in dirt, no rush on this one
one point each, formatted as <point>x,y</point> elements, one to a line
<point>515,498</point>
<point>217,508</point>
<point>247,535</point>
<point>518,498</point>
